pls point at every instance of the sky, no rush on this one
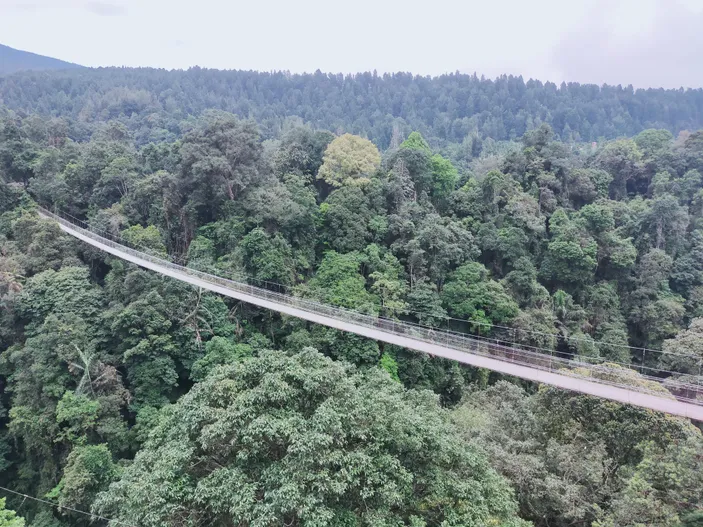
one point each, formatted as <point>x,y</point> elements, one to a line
<point>646,43</point>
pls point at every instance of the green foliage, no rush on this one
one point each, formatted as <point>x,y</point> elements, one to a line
<point>578,459</point>
<point>663,489</point>
<point>147,348</point>
<point>262,441</point>
<point>426,304</point>
<point>494,109</point>
<point>76,414</point>
<point>67,291</point>
<point>9,518</point>
<point>556,479</point>
<point>655,312</point>
<point>352,348</point>
<point>389,364</point>
<point>622,160</point>
<point>349,160</point>
<point>219,160</point>
<point>89,470</point>
<point>42,244</point>
<point>652,141</point>
<point>684,353</point>
<point>145,239</point>
<point>571,257</point>
<point>301,151</point>
<point>347,219</point>
<point>415,141</point>
<point>444,176</point>
<point>470,294</point>
<point>267,258</point>
<point>578,249</point>
<point>218,352</point>
<point>339,283</point>
<point>387,280</point>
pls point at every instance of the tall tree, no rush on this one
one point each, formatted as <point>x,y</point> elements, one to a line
<point>303,440</point>
<point>349,160</point>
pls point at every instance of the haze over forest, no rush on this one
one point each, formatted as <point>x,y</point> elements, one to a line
<point>646,43</point>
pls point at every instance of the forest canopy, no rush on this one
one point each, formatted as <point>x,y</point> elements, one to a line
<point>451,202</point>
<point>455,108</point>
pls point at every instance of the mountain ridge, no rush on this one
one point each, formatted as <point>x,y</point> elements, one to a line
<point>14,60</point>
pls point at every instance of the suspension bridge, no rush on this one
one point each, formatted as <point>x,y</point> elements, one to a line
<point>658,390</point>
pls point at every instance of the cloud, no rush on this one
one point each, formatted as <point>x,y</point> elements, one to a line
<point>24,6</point>
<point>105,8</point>
<point>665,53</point>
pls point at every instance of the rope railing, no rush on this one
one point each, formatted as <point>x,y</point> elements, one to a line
<point>657,382</point>
<point>498,332</point>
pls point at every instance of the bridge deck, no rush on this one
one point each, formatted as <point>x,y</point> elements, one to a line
<point>465,349</point>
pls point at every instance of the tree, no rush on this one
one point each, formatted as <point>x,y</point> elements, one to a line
<point>301,151</point>
<point>431,245</point>
<point>579,459</point>
<point>67,291</point>
<point>339,283</point>
<point>9,518</point>
<point>684,352</point>
<point>267,259</point>
<point>583,185</point>
<point>425,304</point>
<point>287,206</point>
<point>348,220</point>
<point>116,181</point>
<point>615,253</point>
<point>16,153</point>
<point>387,279</point>
<point>219,159</point>
<point>605,317</point>
<point>693,151</point>
<point>470,294</point>
<point>663,489</point>
<point>415,141</point>
<point>523,286</point>
<point>444,177</point>
<point>218,351</point>
<point>557,479</point>
<point>42,244</point>
<point>571,255</point>
<point>89,470</point>
<point>652,141</point>
<point>622,160</point>
<point>147,348</point>
<point>262,441</point>
<point>654,311</point>
<point>349,160</point>
<point>147,239</point>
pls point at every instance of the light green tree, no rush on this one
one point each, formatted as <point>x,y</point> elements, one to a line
<point>444,176</point>
<point>147,239</point>
<point>9,518</point>
<point>349,160</point>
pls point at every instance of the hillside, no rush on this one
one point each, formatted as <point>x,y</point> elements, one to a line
<point>455,203</point>
<point>448,110</point>
<point>13,60</point>
<point>152,403</point>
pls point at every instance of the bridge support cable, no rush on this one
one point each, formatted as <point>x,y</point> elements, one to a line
<point>593,379</point>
